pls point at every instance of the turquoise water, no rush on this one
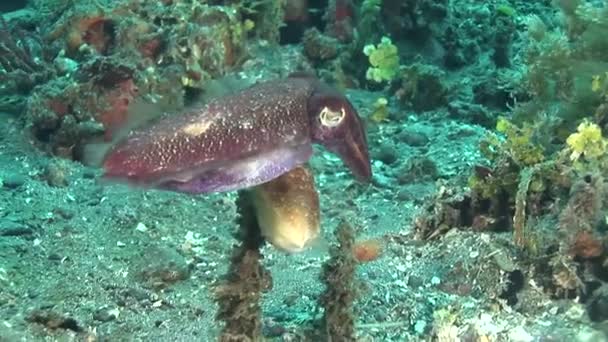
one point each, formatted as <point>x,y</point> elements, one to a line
<point>338,170</point>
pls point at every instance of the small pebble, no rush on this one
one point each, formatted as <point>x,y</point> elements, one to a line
<point>105,315</point>
<point>404,195</point>
<point>386,154</point>
<point>141,227</point>
<point>413,138</point>
<point>416,170</point>
<point>55,175</point>
<point>10,228</point>
<point>63,212</point>
<point>273,329</point>
<point>414,281</point>
<point>420,327</point>
<point>89,174</point>
<point>13,181</point>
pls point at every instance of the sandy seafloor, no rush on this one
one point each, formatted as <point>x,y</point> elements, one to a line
<point>84,256</point>
<point>82,260</point>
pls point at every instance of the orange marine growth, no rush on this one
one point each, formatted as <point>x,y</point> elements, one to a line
<point>367,250</point>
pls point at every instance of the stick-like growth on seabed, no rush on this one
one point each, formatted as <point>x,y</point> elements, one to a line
<point>240,291</point>
<point>338,323</point>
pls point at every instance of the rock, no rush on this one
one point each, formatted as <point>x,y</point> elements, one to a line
<point>413,138</point>
<point>386,154</point>
<point>597,306</point>
<point>63,212</point>
<point>56,175</point>
<point>273,329</point>
<point>13,181</point>
<point>415,281</point>
<point>161,267</point>
<point>54,320</point>
<point>405,195</point>
<point>10,228</point>
<point>105,315</point>
<point>417,170</point>
<point>13,104</point>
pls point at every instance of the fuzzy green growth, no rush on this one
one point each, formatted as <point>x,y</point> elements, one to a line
<point>509,156</point>
<point>587,142</point>
<point>519,144</point>
<point>384,61</point>
<point>599,84</point>
<point>520,173</point>
<point>587,147</point>
<point>380,111</point>
<point>371,5</point>
<point>506,10</point>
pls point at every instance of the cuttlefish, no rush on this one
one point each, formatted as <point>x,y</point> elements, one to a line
<point>243,139</point>
<point>260,139</point>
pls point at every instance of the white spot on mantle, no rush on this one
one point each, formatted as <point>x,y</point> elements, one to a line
<point>197,128</point>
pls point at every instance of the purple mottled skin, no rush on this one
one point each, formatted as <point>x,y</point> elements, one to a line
<point>242,140</point>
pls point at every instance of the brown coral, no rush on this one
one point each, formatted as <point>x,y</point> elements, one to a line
<point>586,246</point>
<point>338,274</point>
<point>339,17</point>
<point>239,293</point>
<point>96,30</point>
<point>98,33</point>
<point>296,10</point>
<point>581,215</point>
<point>22,67</point>
<point>118,100</point>
<point>318,46</point>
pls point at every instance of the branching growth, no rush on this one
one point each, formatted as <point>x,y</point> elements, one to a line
<point>18,63</point>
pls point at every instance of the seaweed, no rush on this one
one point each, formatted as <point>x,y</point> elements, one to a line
<point>338,274</point>
<point>240,291</point>
<point>20,67</point>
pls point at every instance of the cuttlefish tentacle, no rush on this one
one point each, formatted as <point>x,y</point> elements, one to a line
<point>287,210</point>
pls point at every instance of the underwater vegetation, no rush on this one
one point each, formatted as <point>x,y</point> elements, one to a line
<point>329,170</point>
<point>544,179</point>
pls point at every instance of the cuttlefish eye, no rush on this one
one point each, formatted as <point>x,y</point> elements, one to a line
<point>331,118</point>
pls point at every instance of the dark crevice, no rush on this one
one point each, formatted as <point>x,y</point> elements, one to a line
<point>191,95</point>
<point>597,305</point>
<point>516,283</point>
<point>293,30</point>
<point>14,5</point>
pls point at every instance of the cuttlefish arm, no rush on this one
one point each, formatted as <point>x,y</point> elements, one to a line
<point>287,210</point>
<point>242,140</point>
